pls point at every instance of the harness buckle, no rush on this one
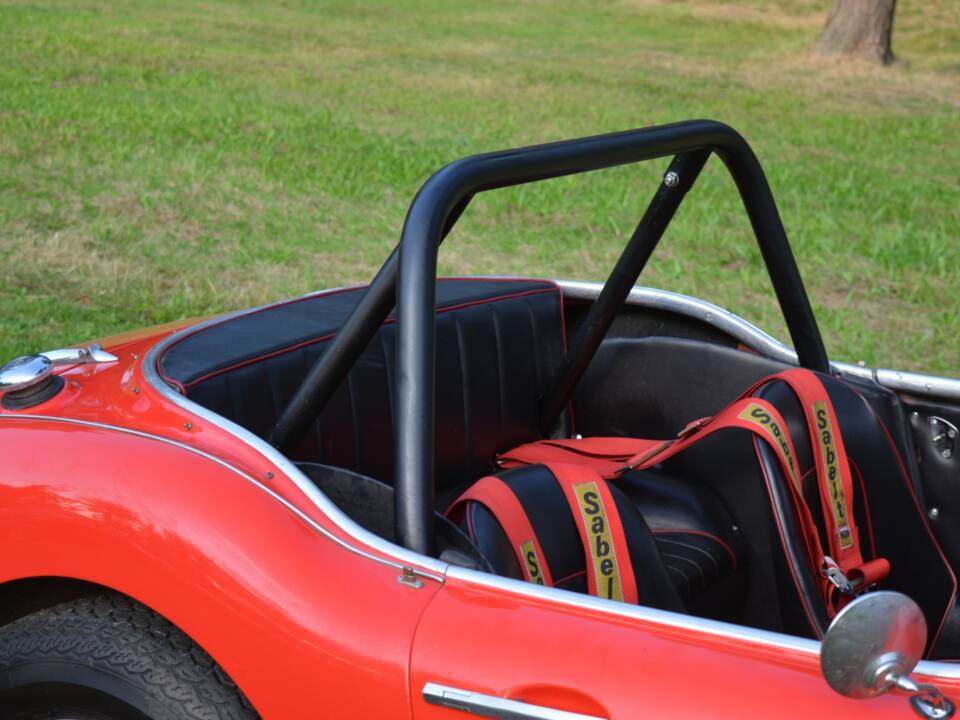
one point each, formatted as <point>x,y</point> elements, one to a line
<point>837,578</point>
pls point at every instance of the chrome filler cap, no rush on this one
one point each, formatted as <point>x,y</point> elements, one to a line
<point>29,380</point>
<point>25,372</point>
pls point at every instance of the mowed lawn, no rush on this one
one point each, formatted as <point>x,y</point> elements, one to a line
<point>176,158</point>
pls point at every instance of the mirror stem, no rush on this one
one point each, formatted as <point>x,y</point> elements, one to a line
<point>926,699</point>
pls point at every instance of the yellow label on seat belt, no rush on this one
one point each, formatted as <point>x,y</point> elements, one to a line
<point>602,552</point>
<point>828,453</point>
<point>532,563</point>
<point>760,416</point>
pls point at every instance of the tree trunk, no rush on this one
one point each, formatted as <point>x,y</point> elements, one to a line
<point>859,27</point>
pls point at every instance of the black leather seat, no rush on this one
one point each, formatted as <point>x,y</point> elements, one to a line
<point>698,540</point>
<point>686,552</point>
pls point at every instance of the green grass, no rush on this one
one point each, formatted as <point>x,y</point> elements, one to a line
<point>176,158</point>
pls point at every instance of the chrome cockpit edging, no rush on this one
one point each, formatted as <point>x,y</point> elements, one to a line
<point>725,321</point>
<point>438,576</point>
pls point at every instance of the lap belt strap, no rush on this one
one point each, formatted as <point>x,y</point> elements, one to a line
<point>609,567</point>
<point>606,455</point>
<point>843,571</point>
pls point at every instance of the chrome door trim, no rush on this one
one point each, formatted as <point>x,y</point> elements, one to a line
<point>407,558</point>
<point>491,706</point>
<point>917,384</point>
<point>714,315</point>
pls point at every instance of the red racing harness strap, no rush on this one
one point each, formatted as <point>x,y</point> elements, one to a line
<point>606,455</point>
<point>844,570</point>
<point>752,414</point>
<point>844,567</point>
<point>609,567</point>
<point>500,500</point>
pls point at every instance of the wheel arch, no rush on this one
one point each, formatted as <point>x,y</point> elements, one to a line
<point>27,595</point>
<point>247,579</point>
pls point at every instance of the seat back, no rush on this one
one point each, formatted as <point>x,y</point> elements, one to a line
<point>498,342</point>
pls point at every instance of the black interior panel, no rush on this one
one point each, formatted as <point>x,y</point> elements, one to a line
<point>286,326</point>
<point>652,387</point>
<point>498,342</point>
<point>369,503</point>
<point>939,472</point>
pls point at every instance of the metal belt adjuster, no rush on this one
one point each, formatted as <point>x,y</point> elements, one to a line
<point>836,576</point>
<point>656,450</point>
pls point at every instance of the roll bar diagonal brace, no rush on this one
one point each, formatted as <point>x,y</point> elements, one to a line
<point>679,178</point>
<point>410,272</point>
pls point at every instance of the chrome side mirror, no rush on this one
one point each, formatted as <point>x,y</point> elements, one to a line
<point>873,645</point>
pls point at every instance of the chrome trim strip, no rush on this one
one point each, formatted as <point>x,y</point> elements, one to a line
<point>213,458</point>
<point>89,355</point>
<point>491,706</point>
<point>918,384</point>
<point>406,558</point>
<point>936,669</point>
<point>714,315</point>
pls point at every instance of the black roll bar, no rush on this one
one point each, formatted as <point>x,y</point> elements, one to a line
<point>419,244</point>
<point>412,270</point>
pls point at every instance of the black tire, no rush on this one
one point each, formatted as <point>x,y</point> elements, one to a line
<point>110,658</point>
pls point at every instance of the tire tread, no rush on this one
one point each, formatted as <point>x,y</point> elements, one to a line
<point>120,636</point>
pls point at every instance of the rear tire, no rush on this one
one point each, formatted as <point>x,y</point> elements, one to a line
<point>110,658</point>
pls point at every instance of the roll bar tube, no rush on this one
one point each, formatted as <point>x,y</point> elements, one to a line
<point>428,220</point>
<point>677,180</point>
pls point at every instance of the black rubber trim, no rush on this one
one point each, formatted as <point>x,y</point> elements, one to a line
<point>32,396</point>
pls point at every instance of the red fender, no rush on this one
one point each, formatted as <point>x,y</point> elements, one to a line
<point>297,620</point>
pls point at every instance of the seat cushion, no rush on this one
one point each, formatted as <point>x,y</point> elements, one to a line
<point>699,542</point>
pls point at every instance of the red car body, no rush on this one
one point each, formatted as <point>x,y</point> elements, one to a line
<point>113,483</point>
